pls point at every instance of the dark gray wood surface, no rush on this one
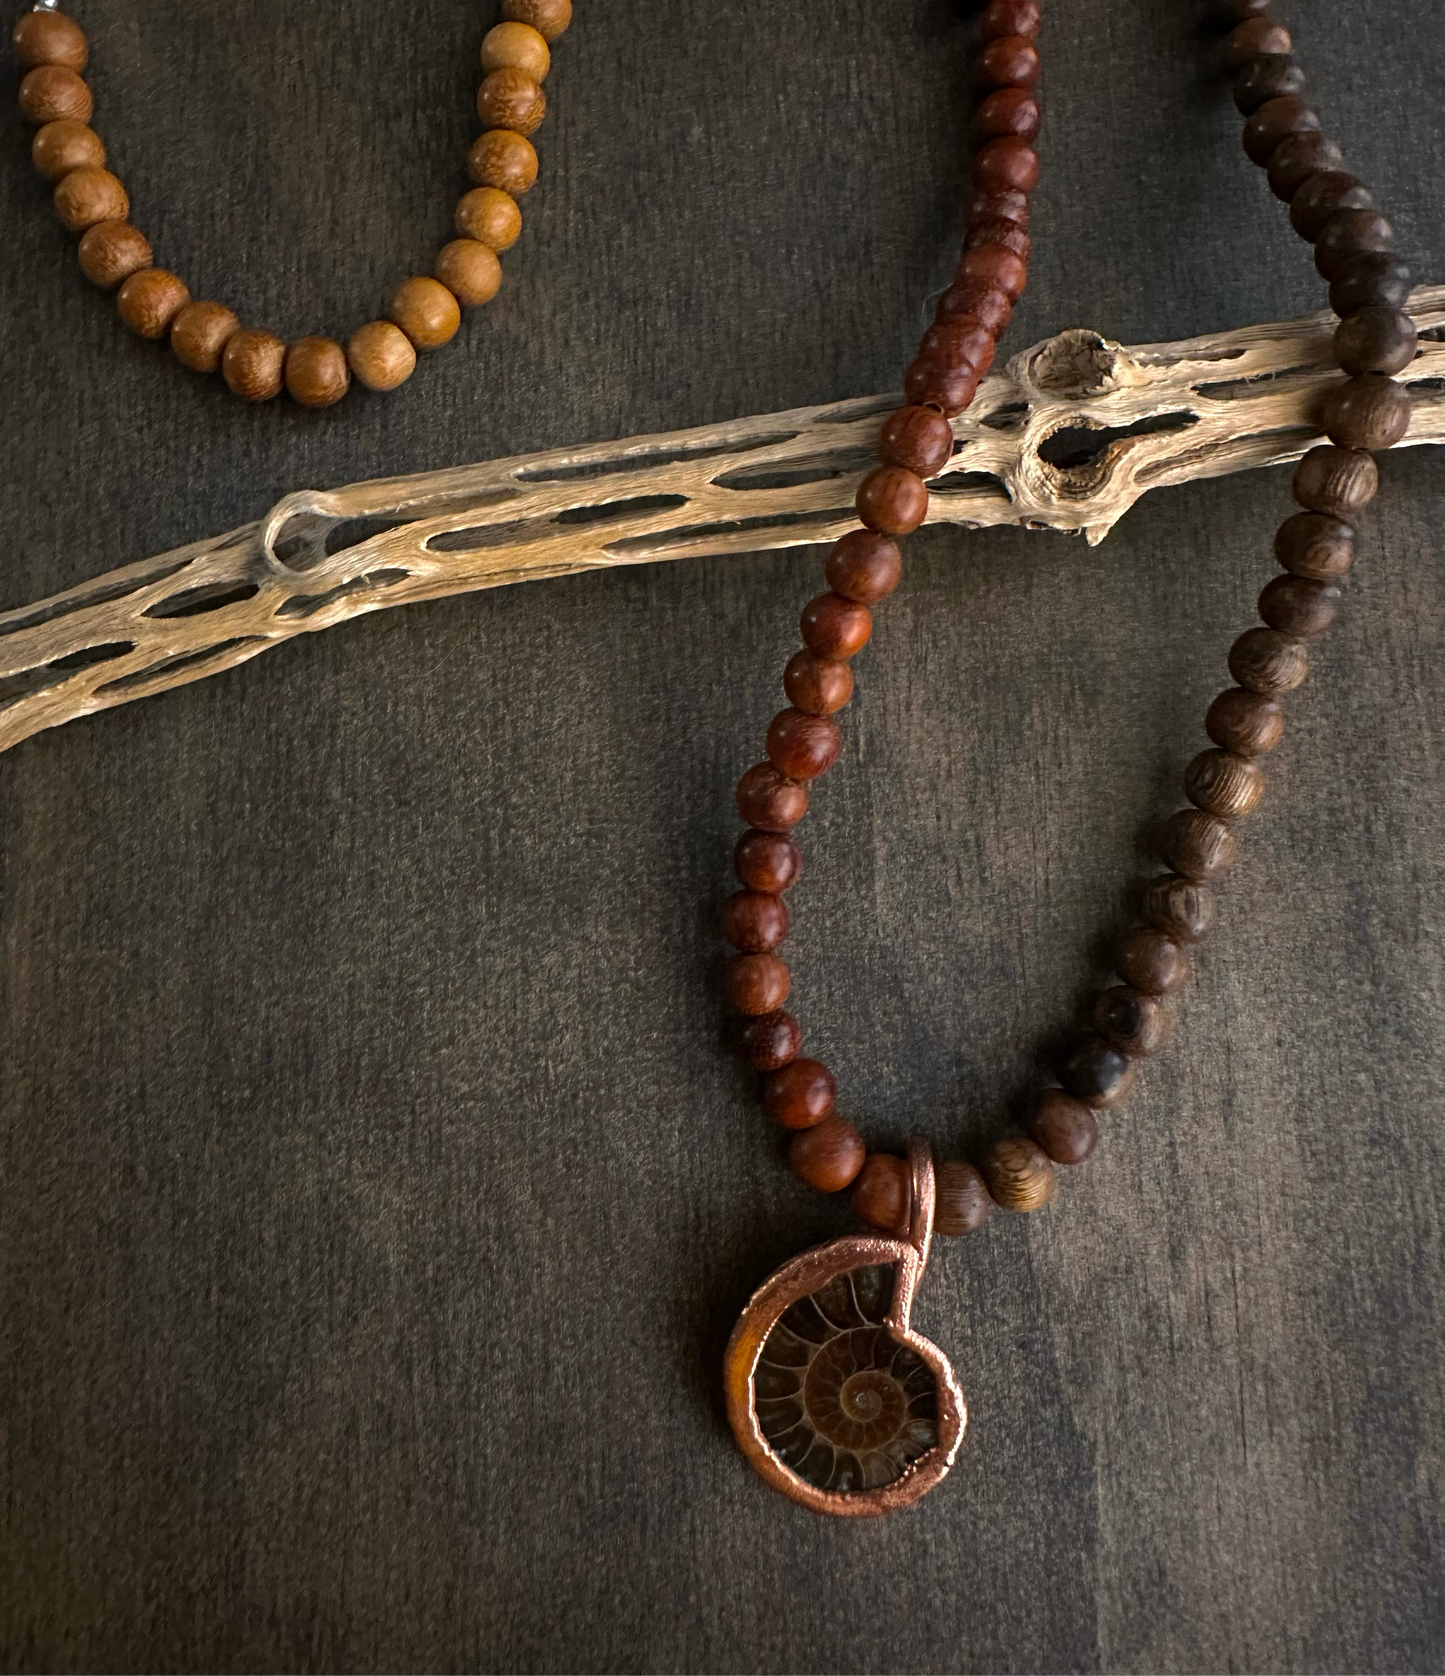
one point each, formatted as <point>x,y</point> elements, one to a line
<point>377,1196</point>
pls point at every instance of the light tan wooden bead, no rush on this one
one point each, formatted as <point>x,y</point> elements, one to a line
<point>426,311</point>
<point>470,271</point>
<point>1223,784</point>
<point>503,159</point>
<point>51,93</point>
<point>490,217</point>
<point>516,46</point>
<point>150,300</point>
<point>381,355</point>
<point>1020,1174</point>
<point>316,372</point>
<point>50,38</point>
<point>59,147</point>
<point>200,333</point>
<point>253,364</point>
<point>508,99</point>
<point>112,251</point>
<point>548,17</point>
<point>88,196</point>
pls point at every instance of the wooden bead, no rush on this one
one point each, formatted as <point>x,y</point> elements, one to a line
<point>1339,481</point>
<point>767,861</point>
<point>1296,158</point>
<point>801,745</point>
<point>920,440</point>
<point>993,265</point>
<point>50,38</point>
<point>1010,61</point>
<point>754,921</point>
<point>1197,845</point>
<point>829,1155</point>
<point>1010,17</point>
<point>508,99</point>
<point>892,500</point>
<point>1019,1174</point>
<point>150,300</point>
<point>1266,661</point>
<point>1299,607</point>
<point>51,93</point>
<point>1097,1073</point>
<point>1272,75</point>
<point>1322,193</point>
<point>200,333</point>
<point>959,340</point>
<point>503,159</point>
<point>1373,279</point>
<point>548,17</point>
<point>1223,784</point>
<point>490,217</point>
<point>770,1042</point>
<point>1006,165</point>
<point>253,364</point>
<point>757,983</point>
<point>1253,39</point>
<point>864,565</point>
<point>1315,545</point>
<point>769,800</point>
<point>818,685</point>
<point>1064,1127</point>
<point>1273,122</point>
<point>992,230</point>
<point>112,251</point>
<point>949,390</point>
<point>516,46</point>
<point>87,196</point>
<point>961,1199</point>
<point>1151,961</point>
<point>981,299</point>
<point>1000,206</point>
<point>59,147</point>
<point>1369,411</point>
<point>426,311</point>
<point>1181,908</point>
<point>1349,233</point>
<point>1249,724</point>
<point>1131,1021</point>
<point>882,1195</point>
<point>800,1095</point>
<point>834,627</point>
<point>1008,112</point>
<point>316,373</point>
<point>380,354</point>
<point>1371,340</point>
<point>470,271</point>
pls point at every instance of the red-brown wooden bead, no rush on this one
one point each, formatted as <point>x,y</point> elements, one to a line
<point>1315,545</point>
<point>1255,38</point>
<point>1010,17</point>
<point>756,983</point>
<point>892,500</point>
<point>1019,1173</point>
<point>1366,412</point>
<point>864,565</point>
<point>1273,122</point>
<point>961,1199</point>
<point>59,147</point>
<point>770,800</point>
<point>882,1195</point>
<point>1223,784</point>
<point>1151,961</point>
<point>771,1041</point>
<point>1097,1073</point>
<point>316,372</point>
<point>834,627</point>
<point>1008,112</point>
<point>1131,1020</point>
<point>1064,1127</point>
<point>959,340</point>
<point>948,389</point>
<point>1197,845</point>
<point>1339,481</point>
<point>1002,206</point>
<point>997,267</point>
<point>1266,661</point>
<point>508,98</point>
<point>754,921</point>
<point>1370,340</point>
<point>802,746</point>
<point>1006,165</point>
<point>818,685</point>
<point>1248,723</point>
<point>993,230</point>
<point>920,440</point>
<point>829,1155</point>
<point>51,93</point>
<point>1299,607</point>
<point>982,299</point>
<point>50,38</point>
<point>800,1095</point>
<point>1010,61</point>
<point>767,861</point>
<point>1181,908</point>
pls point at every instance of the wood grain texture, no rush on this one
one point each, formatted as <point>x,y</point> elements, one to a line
<point>377,1194</point>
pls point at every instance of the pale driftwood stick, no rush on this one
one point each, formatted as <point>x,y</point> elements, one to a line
<point>1067,437</point>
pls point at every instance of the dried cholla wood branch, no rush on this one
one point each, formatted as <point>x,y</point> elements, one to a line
<point>1067,437</point>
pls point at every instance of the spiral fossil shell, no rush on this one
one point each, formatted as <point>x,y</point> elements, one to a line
<point>839,1399</point>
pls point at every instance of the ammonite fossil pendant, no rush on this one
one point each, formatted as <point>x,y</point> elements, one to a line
<point>834,1399</point>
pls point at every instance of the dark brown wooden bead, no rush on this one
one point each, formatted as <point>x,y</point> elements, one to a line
<point>1010,61</point>
<point>87,196</point>
<point>961,1199</point>
<point>767,861</point>
<point>756,983</point>
<point>1223,783</point>
<point>1008,111</point>
<point>59,147</point>
<point>52,38</point>
<point>829,1155</point>
<point>1064,1127</point>
<point>1010,17</point>
<point>200,333</point>
<point>1019,1173</point>
<point>771,1041</point>
<point>1197,845</point>
<point>1274,121</point>
<point>1375,340</point>
<point>981,300</point>
<point>150,300</point>
<point>316,372</point>
<point>505,159</point>
<point>802,746</point>
<point>1250,724</point>
<point>892,500</point>
<point>1373,279</point>
<point>1255,38</point>
<point>51,93</point>
<point>1315,545</point>
<point>1151,961</point>
<point>834,627</point>
<point>1097,1073</point>
<point>818,685</point>
<point>1001,206</point>
<point>800,1095</point>
<point>1320,195</point>
<point>754,921</point>
<point>253,364</point>
<point>1131,1021</point>
<point>1299,607</point>
<point>770,800</point>
<point>959,340</point>
<point>1339,481</point>
<point>994,230</point>
<point>112,251</point>
<point>1349,233</point>
<point>1369,411</point>
<point>1006,165</point>
<point>882,1195</point>
<point>992,264</point>
<point>1273,75</point>
<point>1181,908</point>
<point>508,98</point>
<point>1296,158</point>
<point>1266,661</point>
<point>948,389</point>
<point>863,565</point>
